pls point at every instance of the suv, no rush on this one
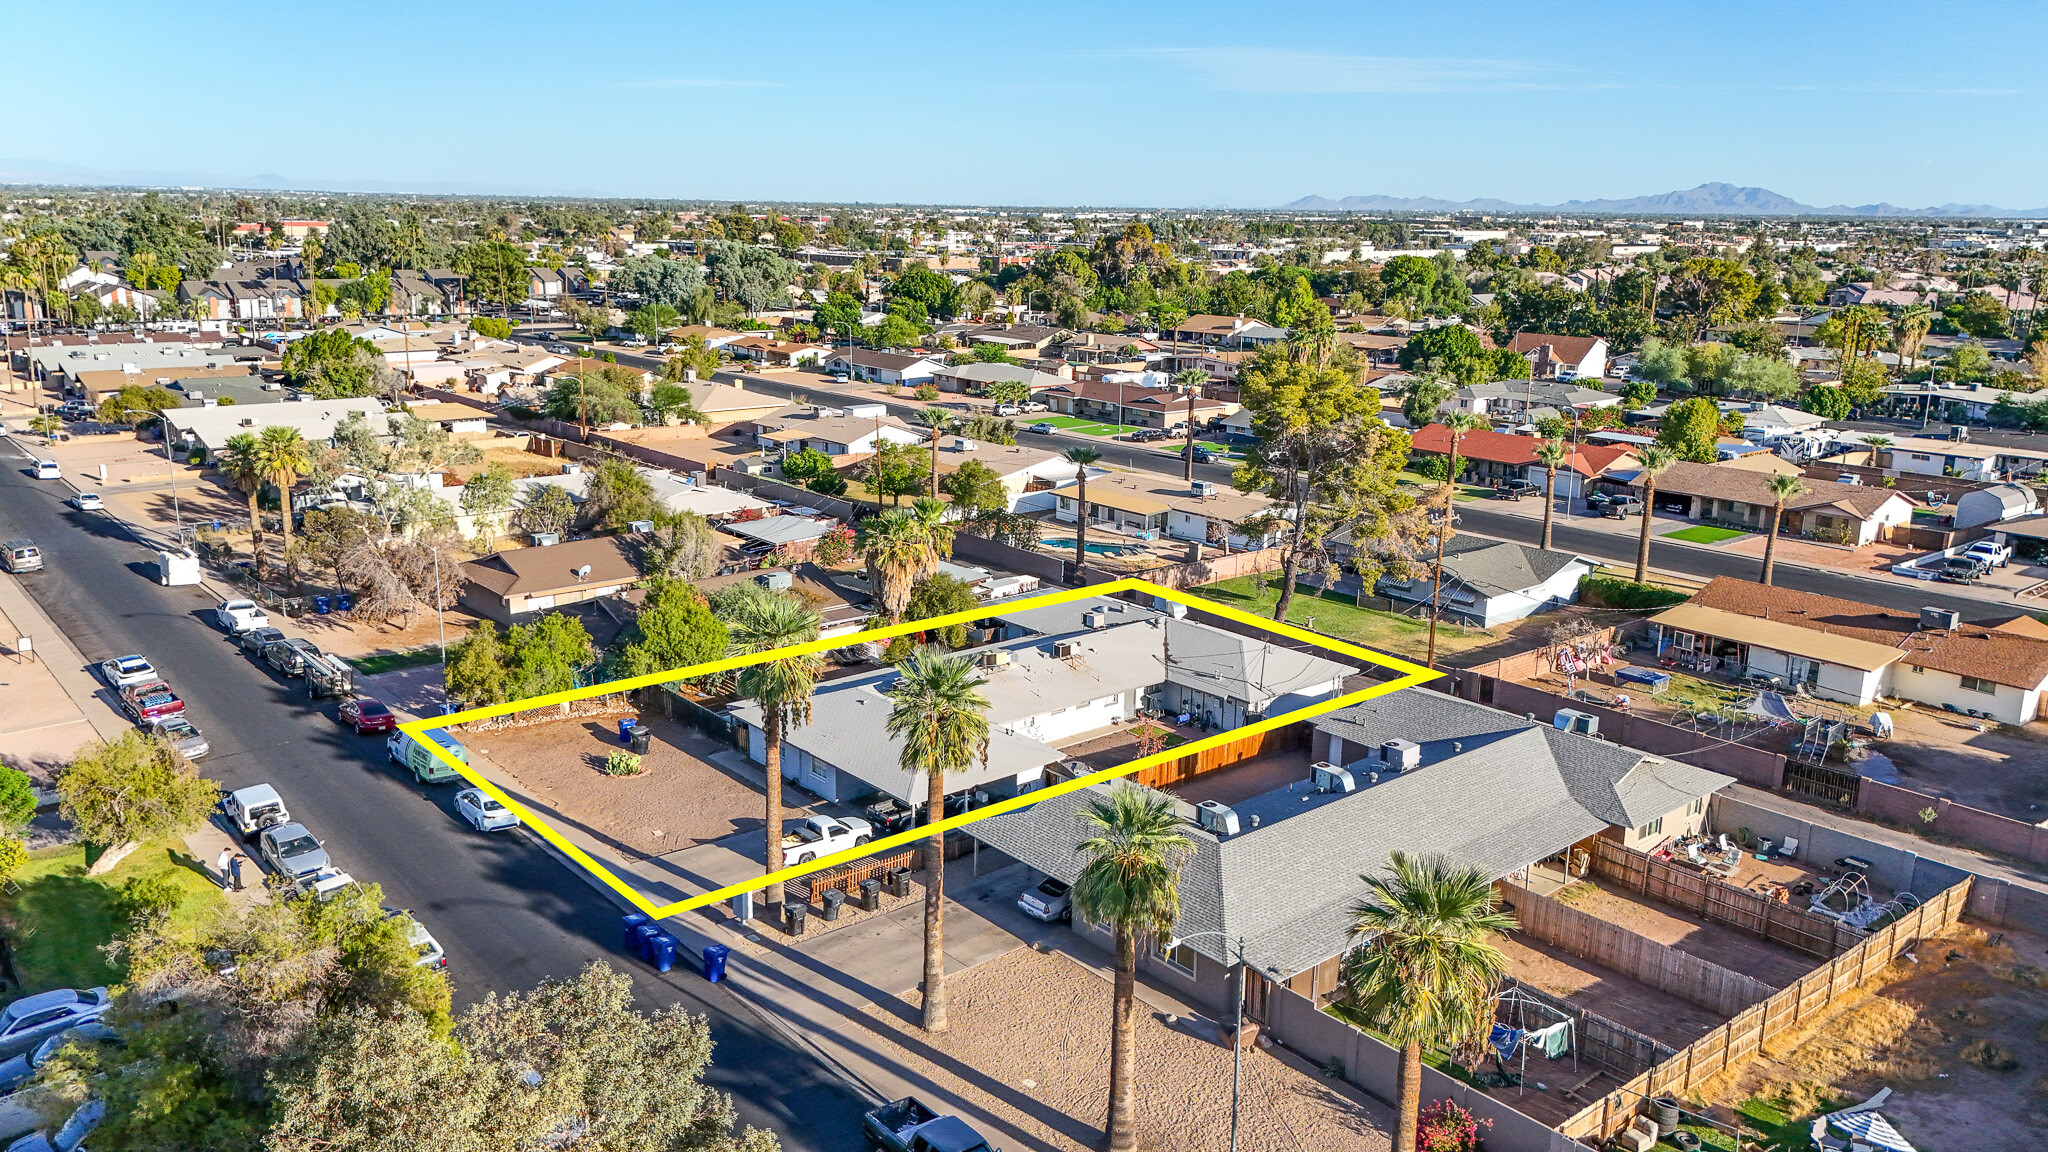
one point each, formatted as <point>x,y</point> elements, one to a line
<point>255,808</point>
<point>289,655</point>
<point>256,639</point>
<point>292,850</point>
<point>32,1018</point>
<point>21,556</point>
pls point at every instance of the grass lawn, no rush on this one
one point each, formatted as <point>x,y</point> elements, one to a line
<point>1341,617</point>
<point>1086,427</point>
<point>61,917</point>
<point>393,661</point>
<point>1704,534</point>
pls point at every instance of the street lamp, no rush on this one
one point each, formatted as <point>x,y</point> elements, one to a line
<point>1237,1027</point>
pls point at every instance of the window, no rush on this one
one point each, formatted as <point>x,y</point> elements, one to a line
<point>1181,956</point>
<point>1917,670</point>
<point>1696,807</point>
<point>1653,828</point>
<point>1972,684</point>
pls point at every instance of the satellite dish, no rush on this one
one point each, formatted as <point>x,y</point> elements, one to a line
<point>583,571</point>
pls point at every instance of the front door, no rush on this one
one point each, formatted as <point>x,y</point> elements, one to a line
<point>1803,671</point>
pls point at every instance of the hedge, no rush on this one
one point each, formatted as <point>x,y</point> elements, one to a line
<point>1614,592</point>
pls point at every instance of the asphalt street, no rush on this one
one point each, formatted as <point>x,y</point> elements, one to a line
<point>507,913</point>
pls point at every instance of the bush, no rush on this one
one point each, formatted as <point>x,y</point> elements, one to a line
<point>926,393</point>
<point>1432,466</point>
<point>1627,595</point>
<point>622,763</point>
<point>520,412</point>
<point>149,899</point>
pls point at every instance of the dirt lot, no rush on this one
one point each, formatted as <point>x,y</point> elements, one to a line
<point>1714,943</point>
<point>680,798</point>
<point>1029,1046</point>
<point>1605,992</point>
<point>1960,1035</point>
<point>2003,770</point>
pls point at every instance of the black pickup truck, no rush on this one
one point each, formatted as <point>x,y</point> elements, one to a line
<point>906,1125</point>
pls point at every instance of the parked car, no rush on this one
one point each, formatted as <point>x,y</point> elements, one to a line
<point>255,639</point>
<point>1052,901</point>
<point>426,767</point>
<point>324,884</point>
<point>239,616</point>
<point>33,1018</point>
<point>149,700</point>
<point>1959,570</point>
<point>1042,429</point>
<point>122,671</point>
<point>1148,435</point>
<point>88,502</point>
<point>185,738</point>
<point>255,808</point>
<point>1031,406</point>
<point>48,470</point>
<point>821,836</point>
<point>21,556</point>
<point>18,1069</point>
<point>1206,455</point>
<point>422,941</point>
<point>906,1125</point>
<point>69,1138</point>
<point>1516,489</point>
<point>367,715</point>
<point>483,811</point>
<point>295,852</point>
<point>1991,552</point>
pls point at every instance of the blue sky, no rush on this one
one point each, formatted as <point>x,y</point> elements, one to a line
<point>1052,103</point>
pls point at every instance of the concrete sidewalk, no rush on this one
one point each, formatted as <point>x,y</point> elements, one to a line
<point>54,686</point>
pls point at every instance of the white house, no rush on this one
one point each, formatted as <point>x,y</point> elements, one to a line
<point>881,367</point>
<point>1148,508</point>
<point>857,429</point>
<point>1028,474</point>
<point>1562,357</point>
<point>1488,582</point>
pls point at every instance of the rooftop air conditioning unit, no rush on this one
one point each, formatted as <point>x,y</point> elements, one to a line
<point>1095,621</point>
<point>1204,488</point>
<point>248,422</point>
<point>1573,720</point>
<point>1065,649</point>
<point>1939,619</point>
<point>572,469</point>
<point>962,444</point>
<point>1216,817</point>
<point>544,539</point>
<point>1173,608</point>
<point>639,525</point>
<point>697,478</point>
<point>776,581</point>
<point>1400,755</point>
<point>996,659</point>
<point>1330,778</point>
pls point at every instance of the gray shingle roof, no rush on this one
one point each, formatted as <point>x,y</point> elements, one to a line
<point>1496,567</point>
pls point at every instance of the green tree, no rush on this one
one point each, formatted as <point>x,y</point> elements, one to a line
<point>1762,378</point>
<point>652,321</point>
<point>659,282</point>
<point>1692,429</point>
<point>936,422</point>
<point>976,487</point>
<point>898,552</point>
<point>673,403</point>
<point>1783,488</point>
<point>896,470</point>
<point>1082,459</point>
<point>600,395</point>
<point>1661,363</point>
<point>333,365</point>
<point>241,463</point>
<point>495,272</point>
<point>475,671</point>
<point>1552,454</point>
<point>808,464</point>
<point>487,496</point>
<point>617,495</point>
<point>675,629</point>
<point>1966,363</point>
<point>683,546</point>
<point>1654,462</point>
<point>1828,401</point>
<point>1711,292</point>
<point>286,456</point>
<point>547,508</point>
<point>694,354</point>
<point>17,800</point>
<point>1981,315</point>
<point>941,717</point>
<point>1424,397</point>
<point>544,657</point>
<point>1453,350</point>
<point>134,405</point>
<point>941,595</point>
<point>894,332</point>
<point>496,329</point>
<point>990,354</point>
<point>135,788</point>
<point>1426,963</point>
<point>1638,393</point>
<point>1008,391</point>
<point>760,620</point>
<point>1131,882</point>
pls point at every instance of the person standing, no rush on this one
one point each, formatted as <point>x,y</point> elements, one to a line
<point>235,867</point>
<point>220,865</point>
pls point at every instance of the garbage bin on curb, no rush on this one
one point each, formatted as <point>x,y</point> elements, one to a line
<point>871,895</point>
<point>643,941</point>
<point>899,882</point>
<point>833,899</point>
<point>627,924</point>
<point>322,606</point>
<point>663,946</point>
<point>642,735</point>
<point>714,962</point>
<point>626,729</point>
<point>794,912</point>
<point>344,603</point>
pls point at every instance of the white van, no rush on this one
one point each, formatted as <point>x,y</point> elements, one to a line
<point>21,556</point>
<point>426,767</point>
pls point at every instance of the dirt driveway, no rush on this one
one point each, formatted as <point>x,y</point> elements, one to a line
<point>2002,770</point>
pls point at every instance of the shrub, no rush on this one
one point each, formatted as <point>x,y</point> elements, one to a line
<point>926,393</point>
<point>520,412</point>
<point>1432,466</point>
<point>13,856</point>
<point>622,763</point>
<point>149,899</point>
<point>1627,595</point>
<point>1445,1127</point>
<point>1990,1056</point>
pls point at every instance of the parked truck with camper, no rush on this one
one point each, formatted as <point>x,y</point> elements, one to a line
<point>821,836</point>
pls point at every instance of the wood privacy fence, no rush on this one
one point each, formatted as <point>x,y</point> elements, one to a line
<point>1717,900</point>
<point>1266,743</point>
<point>847,877</point>
<point>1744,1036</point>
<point>1623,1051</point>
<point>1638,957</point>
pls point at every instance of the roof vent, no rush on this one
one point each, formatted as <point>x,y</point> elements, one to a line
<point>1940,619</point>
<point>1330,778</point>
<point>1216,817</point>
<point>1401,755</point>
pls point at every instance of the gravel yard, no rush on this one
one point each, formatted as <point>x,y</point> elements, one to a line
<point>1029,1048</point>
<point>2002,770</point>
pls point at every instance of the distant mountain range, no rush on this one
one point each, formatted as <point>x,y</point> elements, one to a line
<point>1705,200</point>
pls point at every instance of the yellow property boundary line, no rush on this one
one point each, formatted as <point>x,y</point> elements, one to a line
<point>1412,674</point>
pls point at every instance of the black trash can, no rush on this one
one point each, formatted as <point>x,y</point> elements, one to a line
<point>794,913</point>
<point>641,735</point>
<point>833,899</point>
<point>899,882</point>
<point>871,895</point>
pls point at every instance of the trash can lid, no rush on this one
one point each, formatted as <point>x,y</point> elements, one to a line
<point>870,883</point>
<point>717,949</point>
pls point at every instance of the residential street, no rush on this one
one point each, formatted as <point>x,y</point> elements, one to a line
<point>506,912</point>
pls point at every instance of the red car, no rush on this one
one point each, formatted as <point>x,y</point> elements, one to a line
<point>367,715</point>
<point>149,700</point>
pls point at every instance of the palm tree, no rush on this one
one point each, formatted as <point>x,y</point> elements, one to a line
<point>1131,883</point>
<point>763,621</point>
<point>942,720</point>
<point>1783,488</point>
<point>1910,331</point>
<point>241,461</point>
<point>1551,453</point>
<point>1880,449</point>
<point>938,422</point>
<point>930,515</point>
<point>1426,963</point>
<point>897,550</point>
<point>286,456</point>
<point>1654,461</point>
<point>1191,382</point>
<point>1081,458</point>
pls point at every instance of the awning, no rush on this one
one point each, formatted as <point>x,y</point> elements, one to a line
<point>1846,651</point>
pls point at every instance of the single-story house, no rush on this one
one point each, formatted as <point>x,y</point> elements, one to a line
<point>1976,400</point>
<point>841,616</point>
<point>1028,474</point>
<point>458,419</point>
<point>1488,582</point>
<point>211,428</point>
<point>836,435</point>
<point>1500,399</point>
<point>776,353</point>
<point>1023,339</point>
<point>1133,404</point>
<point>1150,507</point>
<point>1849,514</point>
<point>881,367</point>
<point>1221,331</point>
<point>1490,457</point>
<point>714,337</point>
<point>512,586</point>
<point>1928,456</point>
<point>974,379</point>
<point>1561,357</point>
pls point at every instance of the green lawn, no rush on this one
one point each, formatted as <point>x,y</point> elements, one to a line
<point>1341,617</point>
<point>60,918</point>
<point>393,661</point>
<point>1086,427</point>
<point>1704,534</point>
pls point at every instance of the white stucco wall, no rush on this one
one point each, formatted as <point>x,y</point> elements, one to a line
<point>2010,705</point>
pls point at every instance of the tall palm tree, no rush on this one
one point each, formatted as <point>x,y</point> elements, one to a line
<point>1131,883</point>
<point>763,621</point>
<point>897,551</point>
<point>1880,450</point>
<point>1081,458</point>
<point>1426,962</point>
<point>942,719</point>
<point>286,456</point>
<point>1782,488</point>
<point>241,461</point>
<point>1551,454</point>
<point>1654,461</point>
<point>930,515</point>
<point>1911,331</point>
<point>937,422</point>
<point>1190,381</point>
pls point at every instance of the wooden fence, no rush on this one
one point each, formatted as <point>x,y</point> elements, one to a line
<point>1638,957</point>
<point>1623,1051</point>
<point>1208,760</point>
<point>847,877</point>
<point>1744,1036</point>
<point>1724,903</point>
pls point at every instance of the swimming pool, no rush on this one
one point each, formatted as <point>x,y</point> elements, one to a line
<point>1058,543</point>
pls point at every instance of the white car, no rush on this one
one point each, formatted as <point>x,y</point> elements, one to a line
<point>48,470</point>
<point>88,502</point>
<point>423,943</point>
<point>122,671</point>
<point>69,1138</point>
<point>483,811</point>
<point>239,616</point>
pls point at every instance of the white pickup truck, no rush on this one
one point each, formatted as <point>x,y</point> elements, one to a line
<point>821,836</point>
<point>1990,552</point>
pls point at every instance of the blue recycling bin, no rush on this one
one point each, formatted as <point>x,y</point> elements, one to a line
<point>322,606</point>
<point>714,961</point>
<point>664,947</point>
<point>643,941</point>
<point>626,729</point>
<point>344,603</point>
<point>627,924</point>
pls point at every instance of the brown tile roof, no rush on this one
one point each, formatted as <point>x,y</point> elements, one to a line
<point>1569,349</point>
<point>1744,486</point>
<point>538,571</point>
<point>1995,654</point>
